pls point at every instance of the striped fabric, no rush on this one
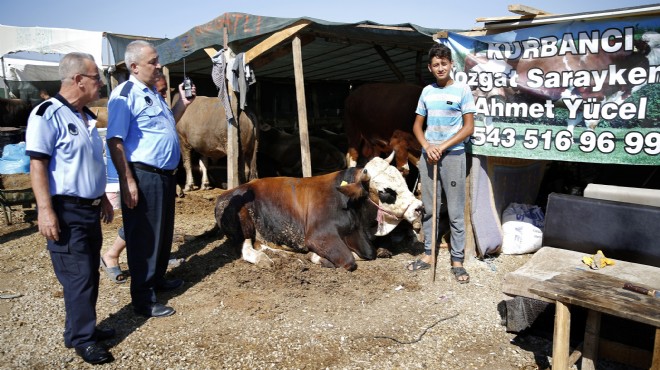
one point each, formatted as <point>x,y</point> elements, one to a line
<point>444,108</point>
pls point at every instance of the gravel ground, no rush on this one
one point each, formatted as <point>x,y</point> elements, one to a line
<point>233,315</point>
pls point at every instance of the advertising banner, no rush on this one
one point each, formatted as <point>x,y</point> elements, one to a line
<point>578,91</point>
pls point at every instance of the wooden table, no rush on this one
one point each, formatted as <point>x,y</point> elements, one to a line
<point>598,293</point>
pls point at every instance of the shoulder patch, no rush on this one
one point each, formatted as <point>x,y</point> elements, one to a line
<point>43,107</point>
<point>126,89</point>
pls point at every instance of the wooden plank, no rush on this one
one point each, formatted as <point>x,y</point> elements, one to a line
<point>561,336</point>
<point>509,18</point>
<point>591,338</point>
<point>502,23</point>
<point>274,39</point>
<point>655,365</point>
<point>526,10</point>
<point>548,262</point>
<point>601,293</point>
<point>302,107</point>
<point>265,59</point>
<point>211,52</point>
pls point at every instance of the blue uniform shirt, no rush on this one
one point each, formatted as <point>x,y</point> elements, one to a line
<point>141,118</point>
<point>444,108</point>
<point>55,130</point>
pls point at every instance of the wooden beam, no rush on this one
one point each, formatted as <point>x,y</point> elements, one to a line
<point>526,10</point>
<point>166,75</point>
<point>265,59</point>
<point>390,63</point>
<point>302,107</point>
<point>509,18</point>
<point>274,39</point>
<point>211,52</point>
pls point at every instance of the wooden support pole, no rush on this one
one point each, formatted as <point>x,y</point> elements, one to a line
<point>591,339</point>
<point>302,107</point>
<point>168,98</point>
<point>561,336</point>
<point>232,131</point>
<point>655,365</point>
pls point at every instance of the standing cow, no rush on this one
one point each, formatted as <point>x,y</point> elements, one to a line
<point>332,216</point>
<point>203,128</point>
<point>373,114</point>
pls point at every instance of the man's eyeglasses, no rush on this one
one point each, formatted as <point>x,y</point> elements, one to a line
<point>97,78</point>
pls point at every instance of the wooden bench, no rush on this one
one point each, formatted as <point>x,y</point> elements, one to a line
<point>599,293</point>
<point>576,227</point>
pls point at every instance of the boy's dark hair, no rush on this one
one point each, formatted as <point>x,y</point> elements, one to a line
<point>439,51</point>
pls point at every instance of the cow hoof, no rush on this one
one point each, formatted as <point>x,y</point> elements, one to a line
<point>207,187</point>
<point>383,253</point>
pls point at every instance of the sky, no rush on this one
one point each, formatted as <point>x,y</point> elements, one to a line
<point>166,18</point>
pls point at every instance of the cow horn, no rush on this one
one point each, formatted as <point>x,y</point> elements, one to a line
<point>391,157</point>
<point>365,176</point>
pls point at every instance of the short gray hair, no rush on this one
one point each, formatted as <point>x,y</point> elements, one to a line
<point>74,63</point>
<point>134,50</point>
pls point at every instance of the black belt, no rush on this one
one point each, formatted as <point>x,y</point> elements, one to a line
<point>144,167</point>
<point>78,200</point>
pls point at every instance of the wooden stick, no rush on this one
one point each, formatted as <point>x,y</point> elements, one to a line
<point>434,227</point>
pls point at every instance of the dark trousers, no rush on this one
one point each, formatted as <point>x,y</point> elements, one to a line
<point>149,229</point>
<point>75,260</point>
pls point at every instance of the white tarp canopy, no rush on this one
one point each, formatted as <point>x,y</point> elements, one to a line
<point>29,70</point>
<point>50,41</point>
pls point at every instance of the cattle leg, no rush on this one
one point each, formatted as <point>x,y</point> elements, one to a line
<point>187,166</point>
<point>333,249</point>
<point>318,260</point>
<point>259,258</point>
<point>203,166</point>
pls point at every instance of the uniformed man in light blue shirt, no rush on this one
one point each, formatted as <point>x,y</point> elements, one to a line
<point>144,147</point>
<point>68,180</point>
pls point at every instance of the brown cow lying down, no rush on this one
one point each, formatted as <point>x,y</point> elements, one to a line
<point>332,216</point>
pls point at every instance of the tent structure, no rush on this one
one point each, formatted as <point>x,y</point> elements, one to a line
<point>300,51</point>
<point>363,51</point>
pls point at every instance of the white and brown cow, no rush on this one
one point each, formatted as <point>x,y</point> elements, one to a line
<point>332,216</point>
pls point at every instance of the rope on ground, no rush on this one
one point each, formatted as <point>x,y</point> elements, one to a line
<point>420,336</point>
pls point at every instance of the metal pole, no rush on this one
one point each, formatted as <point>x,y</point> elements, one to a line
<point>4,78</point>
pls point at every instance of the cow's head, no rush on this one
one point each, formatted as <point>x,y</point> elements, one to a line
<point>389,192</point>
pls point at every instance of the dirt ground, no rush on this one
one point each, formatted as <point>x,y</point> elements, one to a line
<point>297,315</point>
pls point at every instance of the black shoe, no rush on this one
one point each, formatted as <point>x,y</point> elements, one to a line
<point>94,354</point>
<point>100,334</point>
<point>168,285</point>
<point>155,310</point>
